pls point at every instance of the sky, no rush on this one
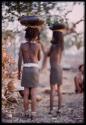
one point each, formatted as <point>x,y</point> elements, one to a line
<point>77,14</point>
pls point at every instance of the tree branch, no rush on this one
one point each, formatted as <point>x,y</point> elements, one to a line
<point>67,13</point>
<point>14,14</point>
<point>72,29</point>
<point>74,25</point>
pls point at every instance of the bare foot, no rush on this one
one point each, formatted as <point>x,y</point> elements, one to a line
<point>58,112</point>
<point>25,115</point>
<point>50,112</point>
<point>33,115</point>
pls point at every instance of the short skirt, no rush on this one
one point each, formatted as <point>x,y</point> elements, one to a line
<point>56,75</point>
<point>30,77</point>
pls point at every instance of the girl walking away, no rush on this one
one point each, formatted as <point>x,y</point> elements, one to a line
<point>30,55</point>
<point>55,54</point>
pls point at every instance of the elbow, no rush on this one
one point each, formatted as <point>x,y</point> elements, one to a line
<point>39,59</point>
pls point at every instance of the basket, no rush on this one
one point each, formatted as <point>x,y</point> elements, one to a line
<point>31,21</point>
<point>57,26</point>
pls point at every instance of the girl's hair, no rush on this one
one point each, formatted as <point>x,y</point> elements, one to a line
<point>57,37</point>
<point>80,66</point>
<point>31,33</point>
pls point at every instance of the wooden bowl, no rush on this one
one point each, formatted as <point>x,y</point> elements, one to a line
<point>30,21</point>
<point>58,26</point>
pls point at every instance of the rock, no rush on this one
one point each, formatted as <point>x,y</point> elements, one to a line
<point>13,100</point>
<point>10,93</point>
<point>6,114</point>
<point>9,115</point>
<point>38,98</point>
<point>66,67</point>
<point>11,86</point>
<point>3,97</point>
<point>47,91</point>
<point>18,86</point>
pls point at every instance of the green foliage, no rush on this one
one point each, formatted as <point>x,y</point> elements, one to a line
<point>30,8</point>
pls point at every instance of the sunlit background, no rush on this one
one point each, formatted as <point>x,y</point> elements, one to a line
<point>13,34</point>
<point>69,13</point>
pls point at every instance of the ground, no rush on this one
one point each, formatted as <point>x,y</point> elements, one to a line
<point>72,105</point>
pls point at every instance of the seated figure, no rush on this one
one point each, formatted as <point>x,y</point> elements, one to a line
<point>79,80</point>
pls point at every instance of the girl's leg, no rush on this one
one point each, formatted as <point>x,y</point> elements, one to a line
<point>33,98</point>
<point>51,97</point>
<point>33,103</point>
<point>26,103</point>
<point>59,97</point>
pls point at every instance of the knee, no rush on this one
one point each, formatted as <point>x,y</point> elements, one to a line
<point>25,101</point>
<point>25,97</point>
<point>33,96</point>
<point>59,90</point>
<point>52,92</point>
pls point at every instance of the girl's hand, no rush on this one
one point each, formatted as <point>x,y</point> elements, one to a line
<point>19,74</point>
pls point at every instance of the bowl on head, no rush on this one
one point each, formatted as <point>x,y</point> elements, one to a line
<point>31,21</point>
<point>58,27</point>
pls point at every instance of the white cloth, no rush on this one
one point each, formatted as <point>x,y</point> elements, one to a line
<point>30,65</point>
<point>19,87</point>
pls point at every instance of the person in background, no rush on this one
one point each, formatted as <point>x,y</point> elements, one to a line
<point>79,79</point>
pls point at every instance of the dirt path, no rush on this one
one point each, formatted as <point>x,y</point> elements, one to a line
<point>72,108</point>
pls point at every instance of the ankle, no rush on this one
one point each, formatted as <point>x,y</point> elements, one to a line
<point>33,115</point>
<point>26,112</point>
<point>51,111</point>
<point>59,110</point>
